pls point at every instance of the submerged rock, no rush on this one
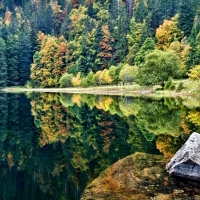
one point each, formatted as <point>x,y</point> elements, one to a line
<point>186,162</point>
<point>139,176</point>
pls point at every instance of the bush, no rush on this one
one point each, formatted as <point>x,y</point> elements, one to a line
<point>169,85</point>
<point>66,80</point>
<point>128,73</point>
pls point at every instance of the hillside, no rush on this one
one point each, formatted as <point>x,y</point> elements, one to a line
<point>82,43</point>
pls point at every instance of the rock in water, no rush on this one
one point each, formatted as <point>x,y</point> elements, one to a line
<point>186,161</point>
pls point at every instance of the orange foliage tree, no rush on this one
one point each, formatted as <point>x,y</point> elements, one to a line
<point>105,45</point>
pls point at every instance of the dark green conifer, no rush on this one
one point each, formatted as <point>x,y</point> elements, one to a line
<point>3,61</point>
<point>141,12</point>
<point>25,58</point>
<point>12,54</point>
<point>186,16</point>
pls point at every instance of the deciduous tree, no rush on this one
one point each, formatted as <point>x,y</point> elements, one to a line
<point>158,67</point>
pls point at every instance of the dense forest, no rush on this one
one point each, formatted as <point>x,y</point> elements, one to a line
<point>64,43</point>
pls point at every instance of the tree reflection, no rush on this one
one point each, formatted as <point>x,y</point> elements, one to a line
<point>70,139</point>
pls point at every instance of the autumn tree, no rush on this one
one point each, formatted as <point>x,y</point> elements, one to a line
<point>194,73</point>
<point>167,33</point>
<point>105,48</point>
<point>49,62</point>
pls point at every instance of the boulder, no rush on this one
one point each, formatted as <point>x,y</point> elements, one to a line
<point>186,162</point>
<point>140,176</point>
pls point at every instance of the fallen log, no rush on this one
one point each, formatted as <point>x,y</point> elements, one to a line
<point>186,161</point>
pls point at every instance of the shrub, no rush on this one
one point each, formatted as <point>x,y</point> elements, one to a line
<point>66,80</point>
<point>169,85</point>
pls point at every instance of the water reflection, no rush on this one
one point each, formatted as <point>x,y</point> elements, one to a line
<point>53,145</point>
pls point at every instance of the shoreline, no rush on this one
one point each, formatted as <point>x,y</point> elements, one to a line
<point>106,90</point>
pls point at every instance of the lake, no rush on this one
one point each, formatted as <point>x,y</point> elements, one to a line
<point>71,146</point>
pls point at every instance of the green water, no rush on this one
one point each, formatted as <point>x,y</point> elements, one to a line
<point>53,146</point>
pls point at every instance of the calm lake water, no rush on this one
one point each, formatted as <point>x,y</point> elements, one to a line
<point>61,146</point>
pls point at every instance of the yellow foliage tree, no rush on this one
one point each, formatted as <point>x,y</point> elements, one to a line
<point>194,73</point>
<point>49,62</point>
<point>167,33</point>
<point>106,78</point>
<point>76,80</point>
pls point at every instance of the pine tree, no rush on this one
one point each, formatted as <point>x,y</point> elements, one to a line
<point>65,27</point>
<point>40,20</point>
<point>91,11</point>
<point>25,58</point>
<point>105,49</point>
<point>114,8</point>
<point>120,45</point>
<point>186,16</point>
<point>141,12</point>
<point>3,68</point>
<point>134,37</point>
<point>49,20</point>
<point>12,54</point>
<point>146,48</point>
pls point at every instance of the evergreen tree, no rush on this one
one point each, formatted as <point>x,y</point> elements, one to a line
<point>13,27</point>
<point>3,68</point>
<point>186,16</point>
<point>49,20</point>
<point>141,12</point>
<point>160,10</point>
<point>25,58</point>
<point>114,9</point>
<point>105,50</point>
<point>65,27</point>
<point>146,48</point>
<point>12,54</point>
<point>134,37</point>
<point>83,63</point>
<point>195,28</point>
<point>121,40</point>
<point>40,20</point>
<point>91,11</point>
<point>4,31</point>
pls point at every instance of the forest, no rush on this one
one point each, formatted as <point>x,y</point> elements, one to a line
<point>81,43</point>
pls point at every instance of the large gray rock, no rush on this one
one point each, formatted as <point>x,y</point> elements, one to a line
<point>186,162</point>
